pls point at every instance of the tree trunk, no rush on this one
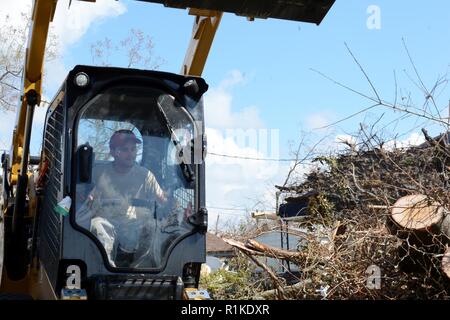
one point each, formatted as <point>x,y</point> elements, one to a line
<point>417,220</point>
<point>293,290</point>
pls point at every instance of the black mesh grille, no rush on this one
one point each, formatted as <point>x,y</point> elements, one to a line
<point>50,221</point>
<point>184,197</point>
<point>135,287</point>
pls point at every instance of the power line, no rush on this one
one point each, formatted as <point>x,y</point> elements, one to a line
<point>231,209</point>
<point>232,214</point>
<point>235,211</point>
<point>250,158</point>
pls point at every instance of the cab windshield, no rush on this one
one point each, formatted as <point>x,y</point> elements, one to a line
<point>139,197</point>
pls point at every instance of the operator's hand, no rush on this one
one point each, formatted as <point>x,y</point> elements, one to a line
<point>164,198</point>
<point>168,202</point>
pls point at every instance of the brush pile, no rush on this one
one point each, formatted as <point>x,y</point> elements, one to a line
<point>378,226</point>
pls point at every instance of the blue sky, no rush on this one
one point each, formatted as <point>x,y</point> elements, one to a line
<point>275,56</point>
<point>260,74</point>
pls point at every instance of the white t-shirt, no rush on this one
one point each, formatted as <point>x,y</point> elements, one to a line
<point>128,201</point>
<point>137,188</point>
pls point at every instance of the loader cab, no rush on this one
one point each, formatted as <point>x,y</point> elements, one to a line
<point>137,217</point>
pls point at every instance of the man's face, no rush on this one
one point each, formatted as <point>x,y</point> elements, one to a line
<point>125,155</point>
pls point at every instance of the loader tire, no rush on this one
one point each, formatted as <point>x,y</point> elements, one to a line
<point>16,252</point>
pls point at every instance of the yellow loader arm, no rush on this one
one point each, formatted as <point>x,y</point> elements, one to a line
<point>43,11</point>
<point>205,26</point>
<point>16,184</point>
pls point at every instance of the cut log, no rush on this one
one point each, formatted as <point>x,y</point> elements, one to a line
<point>446,263</point>
<point>417,212</point>
<point>264,215</point>
<point>289,290</point>
<point>252,247</point>
<point>241,246</point>
<point>272,251</point>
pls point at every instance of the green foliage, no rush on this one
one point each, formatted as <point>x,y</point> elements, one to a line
<point>231,285</point>
<point>407,161</point>
<point>321,209</point>
<point>330,161</point>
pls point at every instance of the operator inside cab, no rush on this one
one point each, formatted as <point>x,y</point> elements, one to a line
<point>122,205</point>
<point>134,211</point>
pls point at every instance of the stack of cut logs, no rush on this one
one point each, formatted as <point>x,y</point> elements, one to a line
<point>428,223</point>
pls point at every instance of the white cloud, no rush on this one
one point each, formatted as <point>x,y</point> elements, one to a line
<point>318,120</point>
<point>345,138</point>
<point>234,77</point>
<point>218,106</point>
<point>71,24</point>
<point>14,10</point>
<point>235,182</point>
<point>342,142</point>
<point>414,139</point>
<point>238,183</point>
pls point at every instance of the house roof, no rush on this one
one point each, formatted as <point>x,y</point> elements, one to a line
<point>443,138</point>
<point>215,244</point>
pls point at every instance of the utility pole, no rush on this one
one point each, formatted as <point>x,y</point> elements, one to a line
<point>217,223</point>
